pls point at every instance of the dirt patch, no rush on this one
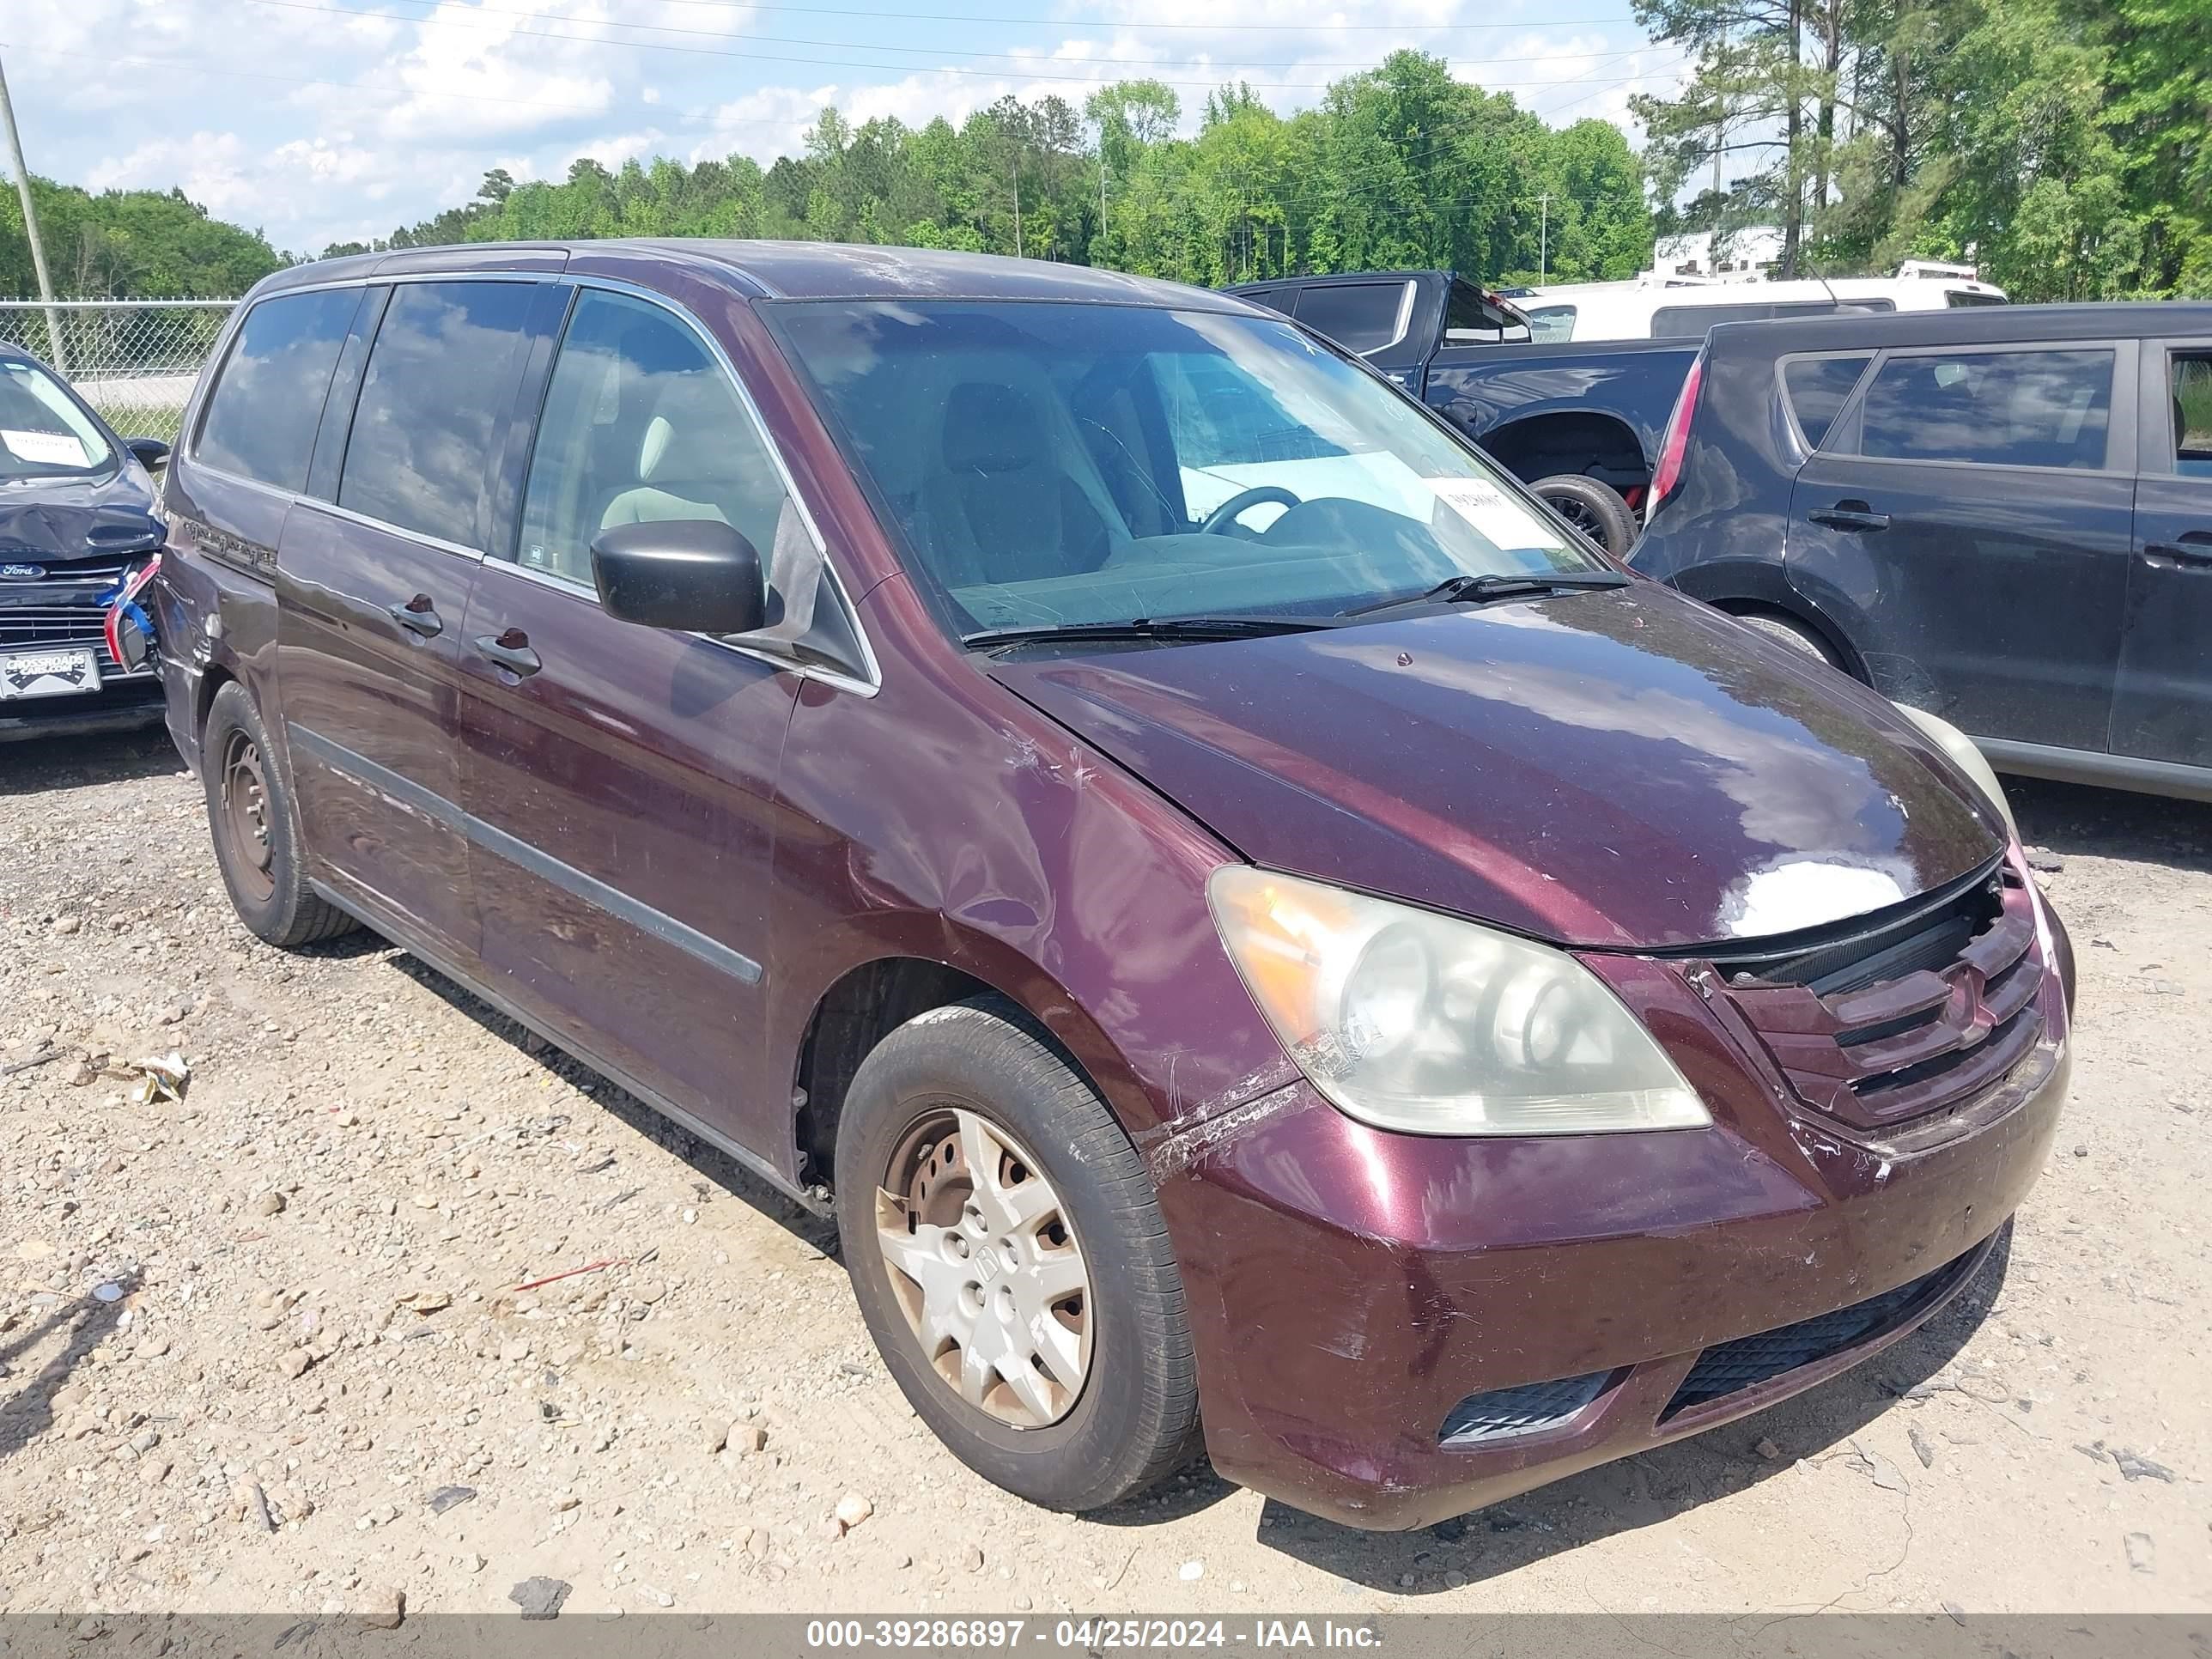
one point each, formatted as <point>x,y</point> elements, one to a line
<point>264,1348</point>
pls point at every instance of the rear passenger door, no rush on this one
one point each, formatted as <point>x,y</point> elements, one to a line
<point>2162,710</point>
<point>374,573</point>
<point>1971,510</point>
<point>621,778</point>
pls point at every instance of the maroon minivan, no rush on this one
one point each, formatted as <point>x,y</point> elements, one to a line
<point>1259,935</point>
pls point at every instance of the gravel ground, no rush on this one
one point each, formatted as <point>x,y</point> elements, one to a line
<point>261,1349</point>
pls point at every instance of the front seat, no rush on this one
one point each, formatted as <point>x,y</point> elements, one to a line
<point>696,460</point>
<point>1004,505</point>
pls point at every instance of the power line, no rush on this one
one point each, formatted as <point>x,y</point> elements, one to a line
<point>1111,72</point>
<point>441,14</point>
<point>1216,28</point>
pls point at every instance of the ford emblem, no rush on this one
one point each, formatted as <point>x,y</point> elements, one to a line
<point>22,573</point>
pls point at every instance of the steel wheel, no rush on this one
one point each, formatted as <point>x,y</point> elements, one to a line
<point>244,816</point>
<point>983,1259</point>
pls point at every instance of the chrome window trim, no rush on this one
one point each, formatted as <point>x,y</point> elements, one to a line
<point>864,686</point>
<point>474,556</point>
<point>1405,320</point>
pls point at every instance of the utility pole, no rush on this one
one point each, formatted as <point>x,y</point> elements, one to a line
<point>54,348</point>
<point>1544,236</point>
<point>1018,203</point>
<point>1101,188</point>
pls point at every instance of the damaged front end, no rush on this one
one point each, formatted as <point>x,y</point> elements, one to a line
<point>76,646</point>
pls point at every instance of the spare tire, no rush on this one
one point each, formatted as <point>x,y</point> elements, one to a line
<point>1593,508</point>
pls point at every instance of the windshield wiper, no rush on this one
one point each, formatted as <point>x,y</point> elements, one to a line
<point>1148,628</point>
<point>1478,590</point>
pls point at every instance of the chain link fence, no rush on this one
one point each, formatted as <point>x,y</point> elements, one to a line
<point>134,361</point>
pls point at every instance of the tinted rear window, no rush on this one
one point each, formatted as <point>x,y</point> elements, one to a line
<point>1357,316</point>
<point>1471,319</point>
<point>441,377</point>
<point>1818,388</point>
<point>1687,322</point>
<point>261,418</point>
<point>2000,408</point>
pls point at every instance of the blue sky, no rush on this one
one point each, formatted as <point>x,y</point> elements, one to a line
<point>324,120</point>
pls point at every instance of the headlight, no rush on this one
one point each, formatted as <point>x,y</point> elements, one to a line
<point>1967,758</point>
<point>1413,1021</point>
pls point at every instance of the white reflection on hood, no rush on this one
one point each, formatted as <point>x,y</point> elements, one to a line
<point>1793,793</point>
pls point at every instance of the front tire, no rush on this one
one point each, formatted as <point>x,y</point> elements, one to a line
<point>1009,1258</point>
<point>256,828</point>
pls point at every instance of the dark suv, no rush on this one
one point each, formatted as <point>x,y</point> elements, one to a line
<point>2002,516</point>
<point>1319,954</point>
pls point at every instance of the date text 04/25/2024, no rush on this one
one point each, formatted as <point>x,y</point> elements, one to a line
<point>1090,1634</point>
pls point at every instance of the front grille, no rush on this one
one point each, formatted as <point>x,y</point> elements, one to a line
<point>106,568</point>
<point>1912,1015</point>
<point>30,627</point>
<point>1530,1408</point>
<point>1731,1367</point>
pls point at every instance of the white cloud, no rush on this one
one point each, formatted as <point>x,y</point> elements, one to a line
<point>320,121</point>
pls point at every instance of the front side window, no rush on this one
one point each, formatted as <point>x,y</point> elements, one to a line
<point>641,424</point>
<point>1050,463</point>
<point>43,431</point>
<point>2046,409</point>
<point>1360,316</point>
<point>441,378</point>
<point>1818,388</point>
<point>262,415</point>
<point>2190,387</point>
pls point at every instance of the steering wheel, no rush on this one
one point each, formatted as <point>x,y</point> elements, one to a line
<point>1217,521</point>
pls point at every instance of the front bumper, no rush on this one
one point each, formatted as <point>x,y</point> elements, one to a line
<point>130,705</point>
<point>1350,1290</point>
<point>66,615</point>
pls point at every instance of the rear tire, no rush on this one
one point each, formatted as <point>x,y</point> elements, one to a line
<point>256,828</point>
<point>1790,633</point>
<point>1595,509</point>
<point>1041,1332</point>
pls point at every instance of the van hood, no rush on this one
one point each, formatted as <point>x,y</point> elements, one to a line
<point>1624,769</point>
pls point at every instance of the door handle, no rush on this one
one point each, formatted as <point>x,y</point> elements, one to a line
<point>2193,548</point>
<point>510,650</point>
<point>1850,515</point>
<point>418,616</point>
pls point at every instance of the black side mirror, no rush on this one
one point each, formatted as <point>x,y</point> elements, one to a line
<point>698,575</point>
<point>153,454</point>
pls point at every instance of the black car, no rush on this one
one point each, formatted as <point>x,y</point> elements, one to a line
<point>76,523</point>
<point>2001,516</point>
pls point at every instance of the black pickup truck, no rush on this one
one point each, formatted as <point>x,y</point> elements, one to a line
<point>1580,423</point>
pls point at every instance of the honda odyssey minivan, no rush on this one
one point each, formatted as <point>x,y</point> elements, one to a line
<point>1347,978</point>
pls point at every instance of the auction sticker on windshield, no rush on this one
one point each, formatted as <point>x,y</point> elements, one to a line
<point>46,448</point>
<point>1495,515</point>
